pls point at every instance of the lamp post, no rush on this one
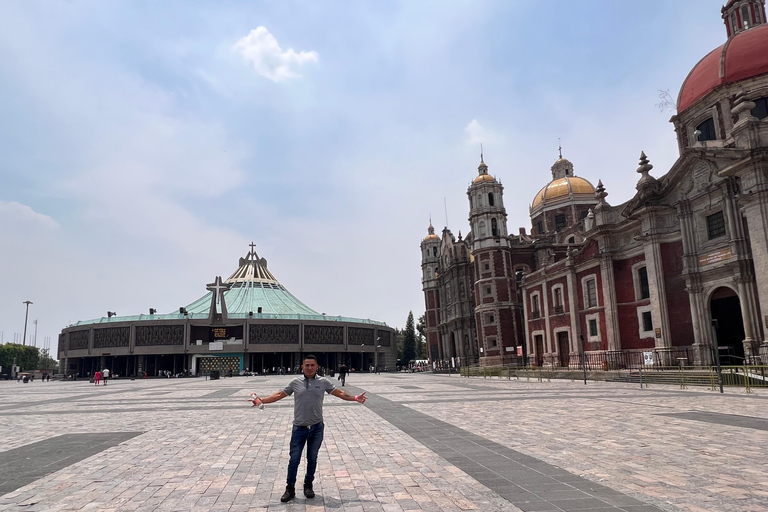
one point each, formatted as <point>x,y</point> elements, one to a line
<point>26,317</point>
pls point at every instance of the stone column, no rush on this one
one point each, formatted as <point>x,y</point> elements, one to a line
<point>609,302</point>
<point>754,201</point>
<point>659,308</point>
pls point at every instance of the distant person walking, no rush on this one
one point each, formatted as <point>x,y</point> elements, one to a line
<point>105,375</point>
<point>308,424</point>
<point>343,371</point>
<point>97,377</point>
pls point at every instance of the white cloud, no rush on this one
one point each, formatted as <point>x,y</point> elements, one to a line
<point>13,212</point>
<point>478,134</point>
<point>261,49</point>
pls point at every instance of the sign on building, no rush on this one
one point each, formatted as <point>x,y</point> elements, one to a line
<point>648,358</point>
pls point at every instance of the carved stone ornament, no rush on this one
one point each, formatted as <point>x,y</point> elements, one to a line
<point>277,334</point>
<point>111,337</point>
<point>323,335</point>
<point>360,336</point>
<point>702,175</point>
<point>147,336</point>
<point>78,340</point>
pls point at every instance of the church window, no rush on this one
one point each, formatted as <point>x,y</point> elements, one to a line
<point>487,266</point>
<point>642,278</point>
<point>734,22</point>
<point>488,290</point>
<point>745,16</point>
<point>715,225</point>
<point>490,198</point>
<point>434,251</point>
<point>591,297</point>
<point>560,221</point>
<point>756,9</point>
<point>535,306</point>
<point>540,227</point>
<point>761,108</point>
<point>519,274</point>
<point>707,130</point>
<point>593,328</point>
<point>494,227</point>
<point>492,342</point>
<point>647,321</point>
<point>558,299</point>
<point>489,319</point>
<point>584,214</point>
<point>571,240</point>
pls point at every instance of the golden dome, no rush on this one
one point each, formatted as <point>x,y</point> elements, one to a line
<point>562,188</point>
<point>484,177</point>
<point>431,235</point>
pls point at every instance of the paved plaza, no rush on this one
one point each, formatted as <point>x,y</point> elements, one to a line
<point>422,442</point>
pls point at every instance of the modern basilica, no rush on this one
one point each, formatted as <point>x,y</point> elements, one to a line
<point>247,322</point>
<point>678,269</point>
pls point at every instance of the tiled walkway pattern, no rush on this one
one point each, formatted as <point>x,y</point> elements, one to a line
<point>201,447</point>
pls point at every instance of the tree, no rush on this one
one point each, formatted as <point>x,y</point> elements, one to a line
<point>409,340</point>
<point>421,337</point>
<point>26,357</point>
<point>399,343</point>
<point>46,361</point>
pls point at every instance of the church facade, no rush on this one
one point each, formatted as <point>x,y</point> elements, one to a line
<point>678,273</point>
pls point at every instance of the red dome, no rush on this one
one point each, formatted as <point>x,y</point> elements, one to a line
<point>744,55</point>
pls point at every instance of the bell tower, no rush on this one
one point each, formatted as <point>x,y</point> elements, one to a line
<point>498,325</point>
<point>487,215</point>
<point>430,262</point>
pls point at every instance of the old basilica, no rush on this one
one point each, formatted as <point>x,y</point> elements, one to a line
<point>675,273</point>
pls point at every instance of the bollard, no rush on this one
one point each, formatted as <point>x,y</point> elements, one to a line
<point>746,380</point>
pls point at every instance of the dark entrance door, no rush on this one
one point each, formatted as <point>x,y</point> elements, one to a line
<point>726,309</point>
<point>539,341</point>
<point>563,348</point>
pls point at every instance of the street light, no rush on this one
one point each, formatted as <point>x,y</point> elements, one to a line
<point>26,316</point>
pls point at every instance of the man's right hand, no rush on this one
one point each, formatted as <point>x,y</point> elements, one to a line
<point>257,402</point>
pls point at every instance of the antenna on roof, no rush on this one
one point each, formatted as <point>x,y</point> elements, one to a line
<point>445,204</point>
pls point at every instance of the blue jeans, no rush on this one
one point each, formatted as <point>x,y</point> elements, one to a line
<point>313,437</point>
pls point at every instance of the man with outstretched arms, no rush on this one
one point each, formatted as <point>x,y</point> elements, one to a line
<point>308,427</point>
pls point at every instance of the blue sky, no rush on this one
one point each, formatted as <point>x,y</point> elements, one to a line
<point>144,144</point>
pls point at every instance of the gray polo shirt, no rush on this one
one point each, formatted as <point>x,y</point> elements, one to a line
<point>308,402</point>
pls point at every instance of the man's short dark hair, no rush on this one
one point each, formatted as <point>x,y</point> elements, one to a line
<point>310,356</point>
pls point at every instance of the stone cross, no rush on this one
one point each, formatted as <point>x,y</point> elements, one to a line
<point>218,288</point>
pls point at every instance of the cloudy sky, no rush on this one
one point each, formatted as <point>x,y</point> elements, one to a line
<point>144,144</point>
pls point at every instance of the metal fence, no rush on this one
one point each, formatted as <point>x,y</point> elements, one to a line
<point>748,377</point>
<point>617,359</point>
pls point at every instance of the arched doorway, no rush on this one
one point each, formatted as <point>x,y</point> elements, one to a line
<point>729,326</point>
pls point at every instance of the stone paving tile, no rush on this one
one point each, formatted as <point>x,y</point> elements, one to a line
<point>216,453</point>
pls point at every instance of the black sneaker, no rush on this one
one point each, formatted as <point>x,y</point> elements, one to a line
<point>289,494</point>
<point>308,492</point>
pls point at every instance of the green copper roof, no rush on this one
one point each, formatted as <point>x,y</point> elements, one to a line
<point>250,287</point>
